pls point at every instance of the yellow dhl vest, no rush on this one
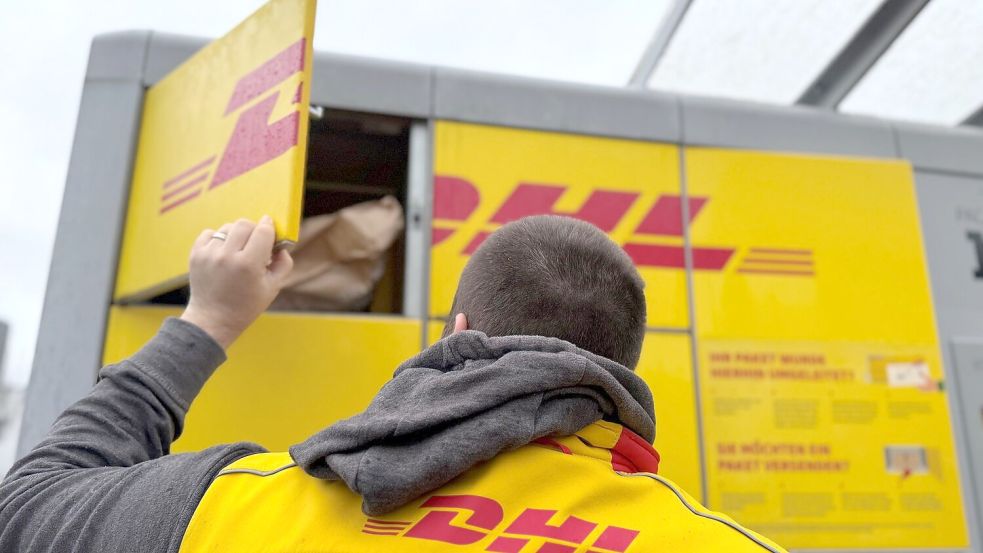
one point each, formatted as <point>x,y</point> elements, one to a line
<point>559,495</point>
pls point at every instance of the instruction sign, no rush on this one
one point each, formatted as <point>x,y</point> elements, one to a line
<point>825,417</point>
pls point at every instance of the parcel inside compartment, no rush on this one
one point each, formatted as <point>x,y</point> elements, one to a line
<point>352,158</point>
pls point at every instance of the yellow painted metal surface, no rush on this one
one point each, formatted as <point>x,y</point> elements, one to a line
<point>822,248</point>
<point>666,365</point>
<point>287,377</point>
<point>223,136</point>
<point>667,368</point>
<point>825,419</point>
<point>486,176</point>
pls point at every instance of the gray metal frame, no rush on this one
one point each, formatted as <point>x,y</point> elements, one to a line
<point>419,193</point>
<point>121,65</point>
<point>3,345</point>
<point>861,52</point>
<point>975,119</point>
<point>659,44</point>
<point>83,262</point>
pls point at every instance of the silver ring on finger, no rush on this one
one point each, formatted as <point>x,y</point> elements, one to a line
<point>220,235</point>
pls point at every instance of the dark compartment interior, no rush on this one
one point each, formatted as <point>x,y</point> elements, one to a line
<point>351,158</point>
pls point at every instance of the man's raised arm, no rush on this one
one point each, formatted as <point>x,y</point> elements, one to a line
<point>101,479</point>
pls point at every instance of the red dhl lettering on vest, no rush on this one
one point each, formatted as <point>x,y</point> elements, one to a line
<point>456,199</point>
<point>254,141</point>
<point>485,519</point>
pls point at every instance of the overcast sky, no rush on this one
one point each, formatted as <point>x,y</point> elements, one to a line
<point>44,47</point>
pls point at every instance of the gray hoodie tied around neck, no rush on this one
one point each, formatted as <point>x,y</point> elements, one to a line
<point>470,397</point>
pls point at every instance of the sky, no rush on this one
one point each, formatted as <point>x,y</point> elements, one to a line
<point>44,46</point>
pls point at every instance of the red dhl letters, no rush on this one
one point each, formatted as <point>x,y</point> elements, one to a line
<point>485,515</point>
<point>254,140</point>
<point>455,199</point>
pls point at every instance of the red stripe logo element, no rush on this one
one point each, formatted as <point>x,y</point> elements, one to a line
<point>484,517</point>
<point>378,527</point>
<point>184,187</point>
<point>276,70</point>
<point>778,261</point>
<point>254,140</point>
<point>456,199</point>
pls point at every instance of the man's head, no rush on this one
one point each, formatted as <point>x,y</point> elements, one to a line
<point>555,276</point>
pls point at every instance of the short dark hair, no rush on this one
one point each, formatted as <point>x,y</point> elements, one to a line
<point>555,276</point>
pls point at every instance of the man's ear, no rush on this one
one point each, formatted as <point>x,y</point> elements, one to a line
<point>460,323</point>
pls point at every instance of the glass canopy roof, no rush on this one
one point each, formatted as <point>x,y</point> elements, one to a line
<point>759,50</point>
<point>934,71</point>
<point>899,59</point>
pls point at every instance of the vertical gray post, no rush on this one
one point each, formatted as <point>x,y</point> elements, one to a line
<point>3,343</point>
<point>83,263</point>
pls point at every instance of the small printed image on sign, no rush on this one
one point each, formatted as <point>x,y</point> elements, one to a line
<point>912,374</point>
<point>905,459</point>
<point>900,372</point>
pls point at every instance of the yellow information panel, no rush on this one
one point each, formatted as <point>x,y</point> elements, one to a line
<point>666,366</point>
<point>831,444</point>
<point>825,419</point>
<point>287,377</point>
<point>487,176</point>
<point>223,136</point>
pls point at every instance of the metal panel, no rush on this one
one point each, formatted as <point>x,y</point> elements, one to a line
<point>3,347</point>
<point>419,193</point>
<point>967,356</point>
<point>951,209</point>
<point>363,84</point>
<point>726,123</point>
<point>538,104</point>
<point>69,346</point>
<point>118,56</point>
<point>958,150</point>
<point>861,52</point>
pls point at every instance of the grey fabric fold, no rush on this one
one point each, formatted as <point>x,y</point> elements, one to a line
<point>464,400</point>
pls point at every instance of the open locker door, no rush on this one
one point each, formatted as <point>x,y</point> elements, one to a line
<point>223,136</point>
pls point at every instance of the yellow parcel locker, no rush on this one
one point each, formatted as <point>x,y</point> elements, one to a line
<point>287,377</point>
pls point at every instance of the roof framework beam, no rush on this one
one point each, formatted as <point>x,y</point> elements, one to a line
<point>975,119</point>
<point>860,53</point>
<point>659,44</point>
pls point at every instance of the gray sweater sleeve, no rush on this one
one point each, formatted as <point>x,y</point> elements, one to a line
<point>102,479</point>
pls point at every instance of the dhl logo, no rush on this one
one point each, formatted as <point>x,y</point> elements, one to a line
<point>254,140</point>
<point>485,516</point>
<point>456,199</point>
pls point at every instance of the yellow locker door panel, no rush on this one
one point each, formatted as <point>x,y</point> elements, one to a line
<point>825,415</point>
<point>486,176</point>
<point>287,377</point>
<point>222,137</point>
<point>666,365</point>
<point>667,368</point>
<point>822,248</point>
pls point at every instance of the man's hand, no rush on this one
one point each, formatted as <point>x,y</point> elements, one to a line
<point>234,280</point>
